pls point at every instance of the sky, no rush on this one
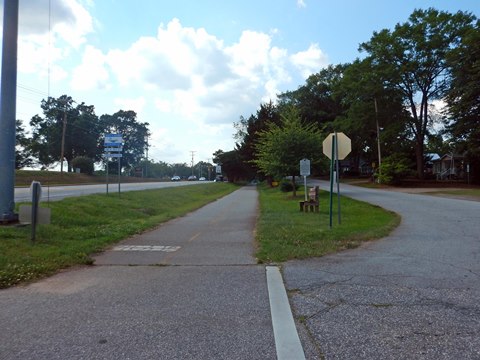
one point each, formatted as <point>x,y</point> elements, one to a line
<point>191,68</point>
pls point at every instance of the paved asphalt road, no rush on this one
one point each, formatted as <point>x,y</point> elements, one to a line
<point>412,295</point>
<point>197,293</point>
<point>190,289</point>
<point>54,193</point>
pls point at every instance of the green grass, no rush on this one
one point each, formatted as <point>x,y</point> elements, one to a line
<point>284,233</point>
<point>85,225</point>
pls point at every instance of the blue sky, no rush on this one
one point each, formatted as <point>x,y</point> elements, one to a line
<point>191,68</point>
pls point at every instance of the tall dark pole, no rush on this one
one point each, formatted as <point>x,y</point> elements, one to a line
<point>378,143</point>
<point>64,129</point>
<point>8,95</point>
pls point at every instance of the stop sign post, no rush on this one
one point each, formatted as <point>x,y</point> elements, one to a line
<point>343,145</point>
<point>336,146</point>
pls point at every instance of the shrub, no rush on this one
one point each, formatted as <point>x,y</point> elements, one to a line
<point>286,186</point>
<point>394,168</point>
<point>85,164</point>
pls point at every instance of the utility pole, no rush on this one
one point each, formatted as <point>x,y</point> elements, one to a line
<point>146,164</point>
<point>63,135</point>
<point>193,154</point>
<point>8,95</point>
<point>378,141</point>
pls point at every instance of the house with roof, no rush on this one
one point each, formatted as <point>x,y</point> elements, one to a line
<point>449,167</point>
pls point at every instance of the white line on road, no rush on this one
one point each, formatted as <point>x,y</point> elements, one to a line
<point>287,342</point>
<point>145,248</point>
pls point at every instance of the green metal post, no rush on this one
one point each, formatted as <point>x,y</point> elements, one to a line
<point>332,167</point>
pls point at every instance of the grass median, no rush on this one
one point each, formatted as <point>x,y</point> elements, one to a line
<point>84,225</point>
<point>284,233</point>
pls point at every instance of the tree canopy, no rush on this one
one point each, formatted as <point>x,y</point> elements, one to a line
<point>280,147</point>
<point>413,59</point>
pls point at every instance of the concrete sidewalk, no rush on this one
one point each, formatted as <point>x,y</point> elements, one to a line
<point>190,289</point>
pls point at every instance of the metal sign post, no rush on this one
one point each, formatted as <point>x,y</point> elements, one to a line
<point>305,171</point>
<point>336,147</point>
<point>337,179</point>
<point>113,148</point>
<point>119,169</point>
<point>36,191</point>
<point>332,163</point>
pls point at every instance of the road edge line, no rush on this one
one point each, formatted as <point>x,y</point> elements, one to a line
<point>287,342</point>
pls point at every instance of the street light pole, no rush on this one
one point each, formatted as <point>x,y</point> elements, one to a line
<point>8,95</point>
<point>63,136</point>
<point>378,142</point>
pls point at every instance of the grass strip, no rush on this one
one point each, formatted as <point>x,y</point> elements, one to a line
<point>84,225</point>
<point>284,233</point>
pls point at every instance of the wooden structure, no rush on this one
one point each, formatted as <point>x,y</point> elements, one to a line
<point>312,203</point>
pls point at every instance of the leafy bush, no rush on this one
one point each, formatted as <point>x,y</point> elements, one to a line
<point>394,168</point>
<point>85,164</point>
<point>286,186</point>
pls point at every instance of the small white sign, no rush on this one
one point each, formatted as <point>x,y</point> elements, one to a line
<point>114,149</point>
<point>305,167</point>
<point>113,155</point>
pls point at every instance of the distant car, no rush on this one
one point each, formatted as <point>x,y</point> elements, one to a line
<point>192,178</point>
<point>176,178</point>
<point>219,178</point>
<point>202,179</point>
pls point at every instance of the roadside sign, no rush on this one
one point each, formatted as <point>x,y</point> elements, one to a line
<point>305,167</point>
<point>344,146</point>
<point>218,169</point>
<point>113,140</point>
<point>336,146</point>
<point>114,149</point>
<point>305,171</point>
<point>114,155</point>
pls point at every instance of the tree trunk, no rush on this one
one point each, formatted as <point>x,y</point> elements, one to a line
<point>294,187</point>
<point>419,158</point>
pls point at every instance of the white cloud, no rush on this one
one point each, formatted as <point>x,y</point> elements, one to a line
<point>301,4</point>
<point>185,82</point>
<point>207,82</point>
<point>309,61</point>
<point>92,73</point>
<point>137,104</point>
<point>48,36</point>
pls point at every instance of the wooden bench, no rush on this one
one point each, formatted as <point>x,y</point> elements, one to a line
<point>312,203</point>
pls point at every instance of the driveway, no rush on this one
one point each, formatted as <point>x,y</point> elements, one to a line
<point>412,295</point>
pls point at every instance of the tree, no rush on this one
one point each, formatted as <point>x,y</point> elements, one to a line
<point>85,164</point>
<point>247,135</point>
<point>134,135</point>
<point>23,152</point>
<point>463,99</point>
<point>72,129</point>
<point>366,103</point>
<point>232,165</point>
<point>413,59</point>
<point>315,100</point>
<point>280,148</point>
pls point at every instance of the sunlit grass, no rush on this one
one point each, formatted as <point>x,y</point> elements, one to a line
<point>85,225</point>
<point>283,232</point>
